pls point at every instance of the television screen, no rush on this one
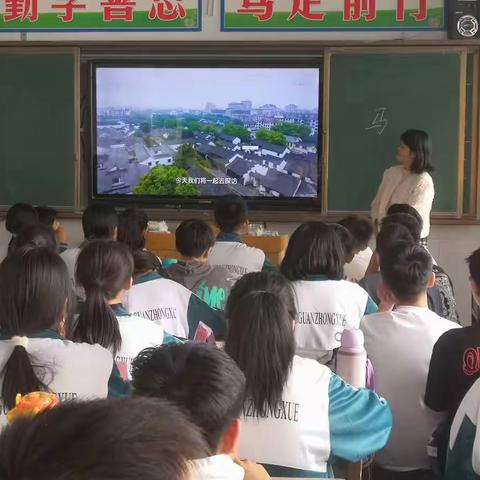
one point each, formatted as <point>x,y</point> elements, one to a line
<point>205,132</point>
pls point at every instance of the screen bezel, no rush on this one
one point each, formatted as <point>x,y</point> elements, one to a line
<point>203,202</point>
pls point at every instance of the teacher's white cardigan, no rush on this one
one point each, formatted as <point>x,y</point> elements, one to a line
<point>401,186</point>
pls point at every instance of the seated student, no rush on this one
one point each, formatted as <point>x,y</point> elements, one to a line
<point>102,440</point>
<point>390,234</point>
<point>48,217</point>
<point>346,239</point>
<point>231,217</point>
<point>34,355</point>
<point>168,303</point>
<point>104,271</point>
<point>297,414</point>
<point>38,235</point>
<point>463,459</point>
<point>399,343</point>
<point>98,222</point>
<point>207,384</point>
<point>327,304</point>
<point>194,240</point>
<point>18,217</point>
<point>132,228</point>
<point>454,367</point>
<point>361,229</point>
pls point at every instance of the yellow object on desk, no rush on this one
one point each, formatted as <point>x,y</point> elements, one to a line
<point>163,245</point>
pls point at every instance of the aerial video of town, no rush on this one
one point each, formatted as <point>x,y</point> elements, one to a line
<point>241,146</point>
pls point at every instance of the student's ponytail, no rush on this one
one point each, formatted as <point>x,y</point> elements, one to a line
<point>260,312</point>
<point>34,294</point>
<point>103,270</point>
<point>19,377</point>
<point>97,322</point>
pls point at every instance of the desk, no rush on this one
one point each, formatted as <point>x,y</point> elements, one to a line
<point>163,245</point>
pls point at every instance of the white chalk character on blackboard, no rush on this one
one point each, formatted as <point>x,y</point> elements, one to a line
<point>379,123</point>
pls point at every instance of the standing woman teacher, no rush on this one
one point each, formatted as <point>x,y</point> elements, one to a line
<point>410,182</point>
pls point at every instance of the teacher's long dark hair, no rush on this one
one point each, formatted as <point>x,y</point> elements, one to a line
<point>103,269</point>
<point>260,311</point>
<point>419,143</point>
<point>34,296</point>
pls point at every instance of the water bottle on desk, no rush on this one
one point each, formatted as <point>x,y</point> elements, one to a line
<point>352,358</point>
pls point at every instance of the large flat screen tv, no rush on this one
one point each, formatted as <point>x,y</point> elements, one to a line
<point>181,134</point>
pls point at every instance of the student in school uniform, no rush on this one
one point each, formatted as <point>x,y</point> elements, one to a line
<point>297,414</point>
<point>98,222</point>
<point>128,439</point>
<point>206,384</point>
<point>399,341</point>
<point>194,240</point>
<point>463,458</point>
<point>361,230</point>
<point>169,304</point>
<point>104,271</point>
<point>34,355</point>
<point>231,217</point>
<point>19,216</point>
<point>48,216</point>
<point>327,304</point>
<point>455,365</point>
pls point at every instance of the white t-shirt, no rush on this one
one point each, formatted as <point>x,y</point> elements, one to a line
<point>74,371</point>
<point>325,309</point>
<point>299,437</point>
<point>238,258</point>
<point>400,344</point>
<point>356,269</point>
<point>218,467</point>
<point>319,415</point>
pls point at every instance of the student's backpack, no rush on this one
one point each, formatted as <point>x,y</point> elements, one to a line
<point>449,304</point>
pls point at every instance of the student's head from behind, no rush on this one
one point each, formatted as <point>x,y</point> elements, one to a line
<point>194,239</point>
<point>405,208</point>
<point>408,221</point>
<point>473,262</point>
<point>19,216</point>
<point>414,151</point>
<point>34,296</point>
<point>231,213</point>
<point>128,438</point>
<point>390,234</point>
<point>145,262</point>
<point>132,228</point>
<point>46,215</point>
<point>202,380</point>
<point>100,221</point>
<point>38,235</point>
<point>260,312</point>
<point>406,271</point>
<point>348,243</point>
<point>314,249</point>
<point>361,229</point>
<point>104,270</point>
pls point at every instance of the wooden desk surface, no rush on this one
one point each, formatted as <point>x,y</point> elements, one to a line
<point>163,245</point>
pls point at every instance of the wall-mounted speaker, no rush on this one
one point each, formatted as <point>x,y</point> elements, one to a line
<point>463,19</point>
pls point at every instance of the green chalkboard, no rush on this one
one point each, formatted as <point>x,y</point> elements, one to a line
<point>376,97</point>
<point>37,121</point>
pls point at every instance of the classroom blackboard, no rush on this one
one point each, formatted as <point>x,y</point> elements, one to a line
<point>373,98</point>
<point>37,128</point>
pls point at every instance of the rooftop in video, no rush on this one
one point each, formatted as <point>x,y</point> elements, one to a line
<point>207,131</point>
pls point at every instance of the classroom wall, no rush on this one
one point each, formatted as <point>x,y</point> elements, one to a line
<point>449,245</point>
